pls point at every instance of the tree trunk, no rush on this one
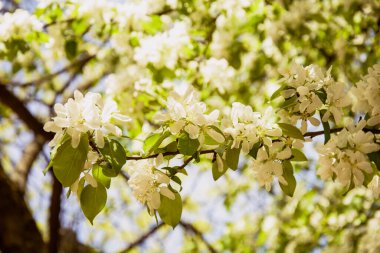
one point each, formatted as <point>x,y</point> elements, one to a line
<point>18,230</point>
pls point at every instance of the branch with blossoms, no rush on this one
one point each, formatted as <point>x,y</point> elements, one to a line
<point>85,158</point>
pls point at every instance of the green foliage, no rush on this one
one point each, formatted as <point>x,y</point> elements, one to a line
<point>375,158</point>
<point>291,131</point>
<point>154,141</point>
<point>68,162</point>
<point>326,127</point>
<point>98,174</point>
<point>277,93</point>
<point>115,156</point>
<point>71,48</point>
<point>216,172</point>
<point>289,102</point>
<point>170,210</point>
<point>289,188</point>
<point>232,158</point>
<point>93,200</point>
<point>255,149</point>
<point>186,145</point>
<point>298,155</point>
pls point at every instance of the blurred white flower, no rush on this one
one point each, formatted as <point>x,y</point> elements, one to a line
<point>163,49</point>
<point>18,24</point>
<point>211,71</point>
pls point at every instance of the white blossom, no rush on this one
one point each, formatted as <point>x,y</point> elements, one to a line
<point>268,164</point>
<point>218,73</point>
<point>163,49</point>
<point>374,186</point>
<point>148,183</point>
<point>345,155</point>
<point>248,127</point>
<point>366,95</point>
<point>85,114</point>
<point>185,112</point>
<point>308,85</point>
<point>18,24</point>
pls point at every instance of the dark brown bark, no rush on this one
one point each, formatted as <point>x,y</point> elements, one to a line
<point>19,232</point>
<point>9,99</point>
<point>54,221</point>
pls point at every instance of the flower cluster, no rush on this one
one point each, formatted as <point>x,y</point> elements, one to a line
<point>345,155</point>
<point>18,24</point>
<point>211,70</point>
<point>268,163</point>
<point>85,114</point>
<point>366,95</point>
<point>248,127</point>
<point>163,49</point>
<point>148,183</point>
<point>309,89</point>
<point>185,112</point>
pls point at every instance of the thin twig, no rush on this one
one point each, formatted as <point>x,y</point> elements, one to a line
<point>165,154</point>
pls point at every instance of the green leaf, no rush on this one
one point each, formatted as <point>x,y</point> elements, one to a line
<point>232,158</point>
<point>326,127</point>
<point>154,141</point>
<point>375,158</point>
<point>289,177</point>
<point>211,141</point>
<point>79,26</point>
<point>153,25</point>
<point>322,95</point>
<point>177,180</point>
<point>186,145</point>
<point>80,186</point>
<point>93,200</point>
<point>68,162</point>
<point>71,48</point>
<point>291,131</point>
<point>277,93</point>
<point>170,210</point>
<point>98,174</point>
<point>171,147</point>
<point>289,102</point>
<point>216,174</point>
<point>68,193</point>
<point>48,167</point>
<point>298,155</point>
<point>115,156</point>
<point>255,149</point>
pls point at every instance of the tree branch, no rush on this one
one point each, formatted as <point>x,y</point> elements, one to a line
<point>143,238</point>
<point>9,99</point>
<point>335,130</point>
<point>166,154</point>
<point>190,227</point>
<point>79,62</point>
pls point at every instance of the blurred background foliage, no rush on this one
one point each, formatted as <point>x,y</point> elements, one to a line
<point>138,51</point>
